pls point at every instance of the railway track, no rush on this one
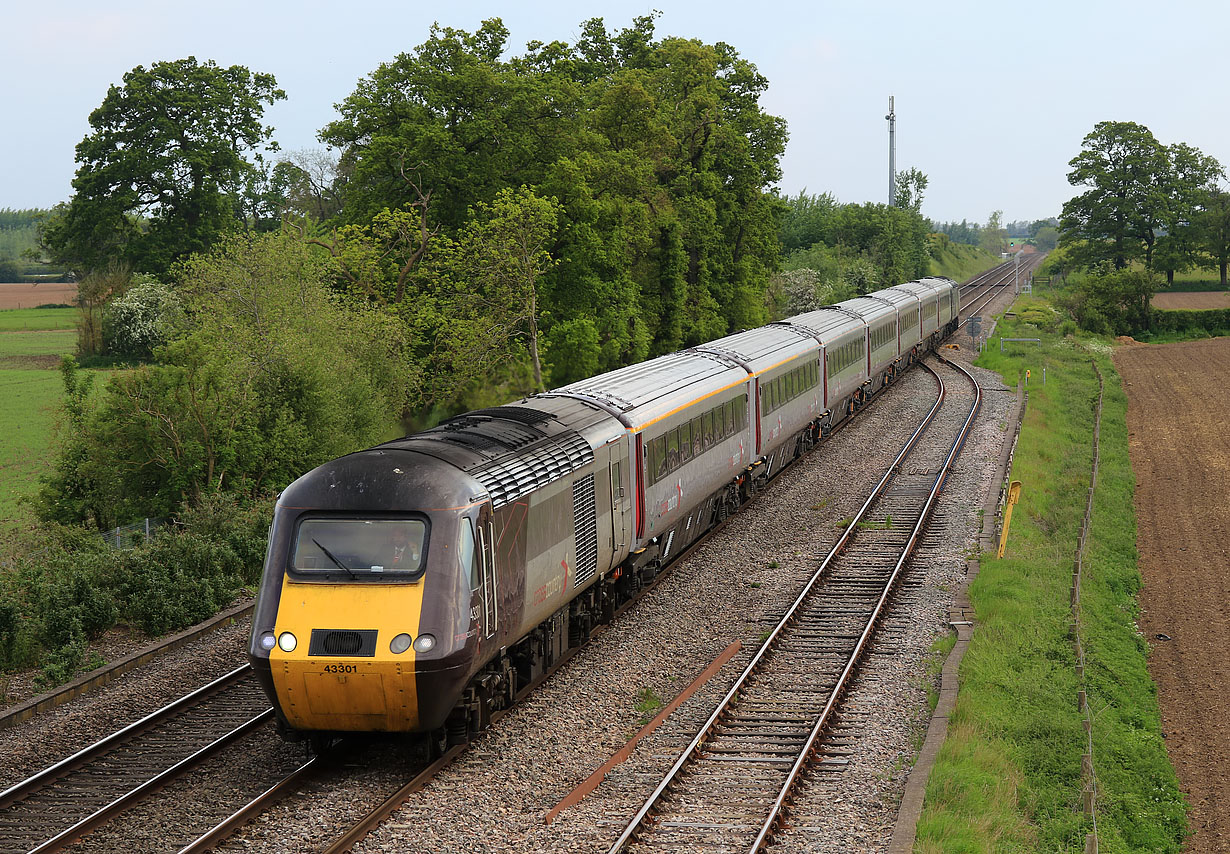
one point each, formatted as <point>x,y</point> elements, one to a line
<point>979,291</point>
<point>729,788</point>
<point>62,803</point>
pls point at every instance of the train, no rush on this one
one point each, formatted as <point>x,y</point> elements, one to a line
<point>420,585</point>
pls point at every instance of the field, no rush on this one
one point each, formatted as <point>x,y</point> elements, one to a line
<point>1191,300</point>
<point>30,296</point>
<point>31,342</point>
<point>1178,444</point>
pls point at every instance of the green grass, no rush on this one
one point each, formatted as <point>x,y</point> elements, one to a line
<point>30,342</point>
<point>27,431</point>
<point>1194,280</point>
<point>38,318</point>
<point>43,343</point>
<point>1008,777</point>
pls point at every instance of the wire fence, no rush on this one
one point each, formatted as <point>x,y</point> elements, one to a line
<point>1089,789</point>
<point>133,535</point>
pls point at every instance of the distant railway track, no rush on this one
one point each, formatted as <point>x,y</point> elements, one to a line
<point>64,802</point>
<point>732,784</point>
<point>980,290</point>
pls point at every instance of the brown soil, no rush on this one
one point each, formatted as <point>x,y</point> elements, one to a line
<point>1192,300</point>
<point>31,296</point>
<point>30,362</point>
<point>1177,402</point>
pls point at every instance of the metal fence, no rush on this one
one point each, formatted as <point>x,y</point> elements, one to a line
<point>131,536</point>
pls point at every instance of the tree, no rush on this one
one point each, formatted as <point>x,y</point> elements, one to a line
<point>277,374</point>
<point>657,152</point>
<point>160,175</point>
<point>992,236</point>
<point>1046,238</point>
<point>146,316</point>
<point>10,270</point>
<point>1113,301</point>
<point>910,186</point>
<point>1213,229</point>
<point>1117,218</point>
<point>1190,176</point>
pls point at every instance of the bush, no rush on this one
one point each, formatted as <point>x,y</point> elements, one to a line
<point>143,318</point>
<point>64,586</point>
<point>180,579</point>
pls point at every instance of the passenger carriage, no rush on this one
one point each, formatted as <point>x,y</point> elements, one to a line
<point>787,392</point>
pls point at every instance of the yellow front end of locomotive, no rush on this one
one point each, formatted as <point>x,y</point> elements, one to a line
<point>321,690</point>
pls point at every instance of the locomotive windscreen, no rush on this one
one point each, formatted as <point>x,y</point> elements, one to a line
<point>360,547</point>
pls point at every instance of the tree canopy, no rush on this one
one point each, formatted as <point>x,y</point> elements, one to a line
<point>162,171</point>
<point>656,152</point>
<point>1141,201</point>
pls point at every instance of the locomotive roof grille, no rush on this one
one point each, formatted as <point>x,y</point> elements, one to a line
<point>485,432</point>
<point>516,413</point>
<point>509,479</point>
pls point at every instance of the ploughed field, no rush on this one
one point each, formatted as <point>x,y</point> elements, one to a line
<point>1177,432</point>
<point>32,296</point>
<point>1192,300</point>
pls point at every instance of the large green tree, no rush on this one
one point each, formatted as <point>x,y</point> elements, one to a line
<point>657,153</point>
<point>1189,178</point>
<point>163,170</point>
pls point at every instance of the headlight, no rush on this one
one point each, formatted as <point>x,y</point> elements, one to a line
<point>424,643</point>
<point>399,644</point>
<point>287,642</point>
<point>268,641</point>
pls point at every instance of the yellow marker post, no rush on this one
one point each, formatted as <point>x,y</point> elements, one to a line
<point>1014,493</point>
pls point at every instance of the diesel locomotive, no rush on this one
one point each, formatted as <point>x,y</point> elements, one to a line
<point>419,585</point>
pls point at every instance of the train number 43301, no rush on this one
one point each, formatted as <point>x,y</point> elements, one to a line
<point>341,668</point>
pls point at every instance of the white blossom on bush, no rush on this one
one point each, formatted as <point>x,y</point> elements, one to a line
<point>142,319</point>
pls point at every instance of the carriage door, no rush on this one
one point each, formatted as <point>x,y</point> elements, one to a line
<point>620,505</point>
<point>488,580</point>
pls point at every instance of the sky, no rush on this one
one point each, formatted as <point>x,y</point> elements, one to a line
<point>992,100</point>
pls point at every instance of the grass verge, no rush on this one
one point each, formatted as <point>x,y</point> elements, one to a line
<point>1008,777</point>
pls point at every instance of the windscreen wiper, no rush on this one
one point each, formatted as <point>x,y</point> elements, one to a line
<point>336,562</point>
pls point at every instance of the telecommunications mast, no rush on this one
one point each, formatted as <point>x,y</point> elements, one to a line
<point>892,153</point>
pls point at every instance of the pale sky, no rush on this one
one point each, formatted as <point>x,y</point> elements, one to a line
<point>992,100</point>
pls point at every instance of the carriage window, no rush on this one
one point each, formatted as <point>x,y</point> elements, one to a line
<point>730,418</point>
<point>698,436</point>
<point>672,450</point>
<point>685,441</point>
<point>360,547</point>
<point>659,449</point>
<point>709,437</point>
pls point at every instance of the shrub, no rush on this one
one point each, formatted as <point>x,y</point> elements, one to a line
<point>179,579</point>
<point>143,318</point>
